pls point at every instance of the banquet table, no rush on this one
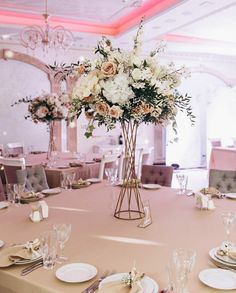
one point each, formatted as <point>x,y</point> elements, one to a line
<point>223,158</point>
<point>98,238</point>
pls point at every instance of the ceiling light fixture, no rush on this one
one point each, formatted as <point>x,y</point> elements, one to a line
<point>34,36</point>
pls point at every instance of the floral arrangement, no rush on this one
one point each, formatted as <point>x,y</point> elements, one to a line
<point>47,107</point>
<point>122,86</point>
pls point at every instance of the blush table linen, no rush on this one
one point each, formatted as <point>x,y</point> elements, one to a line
<point>223,158</point>
<point>100,239</point>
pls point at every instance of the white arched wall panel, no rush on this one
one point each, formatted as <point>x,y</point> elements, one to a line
<point>18,80</point>
<point>190,149</point>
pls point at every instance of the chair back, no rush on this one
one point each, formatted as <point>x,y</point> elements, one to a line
<point>157,174</point>
<point>10,166</point>
<point>2,194</point>
<point>124,160</point>
<point>106,159</point>
<point>34,178</point>
<point>15,148</point>
<point>223,180</point>
<point>215,142</point>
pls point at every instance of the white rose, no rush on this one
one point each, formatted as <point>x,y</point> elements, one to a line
<point>136,74</point>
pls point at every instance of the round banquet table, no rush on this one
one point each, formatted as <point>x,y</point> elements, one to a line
<point>98,238</point>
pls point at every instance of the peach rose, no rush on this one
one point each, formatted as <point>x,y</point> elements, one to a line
<point>146,108</point>
<point>102,108</point>
<point>115,112</point>
<point>108,69</point>
<point>81,69</point>
<point>88,99</point>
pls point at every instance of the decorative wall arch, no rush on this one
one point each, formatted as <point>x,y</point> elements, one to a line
<point>55,86</point>
<point>202,69</point>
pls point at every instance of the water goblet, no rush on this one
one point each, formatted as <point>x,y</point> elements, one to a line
<point>48,249</point>
<point>179,269</point>
<point>183,182</point>
<point>114,174</point>
<point>64,180</point>
<point>229,219</point>
<point>108,172</point>
<point>11,195</point>
<point>18,189</point>
<point>71,178</point>
<point>63,234</point>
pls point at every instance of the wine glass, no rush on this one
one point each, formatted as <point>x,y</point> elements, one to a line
<point>11,195</point>
<point>63,234</point>
<point>181,265</point>
<point>48,249</point>
<point>18,190</point>
<point>183,182</point>
<point>229,219</point>
<point>108,172</point>
<point>71,178</point>
<point>64,180</point>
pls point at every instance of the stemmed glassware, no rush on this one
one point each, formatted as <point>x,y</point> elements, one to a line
<point>183,182</point>
<point>111,174</point>
<point>63,234</point>
<point>11,196</point>
<point>64,180</point>
<point>181,265</point>
<point>48,249</point>
<point>229,219</point>
<point>71,178</point>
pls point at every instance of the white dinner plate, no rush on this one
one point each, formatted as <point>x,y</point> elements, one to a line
<point>93,180</point>
<point>230,195</point>
<point>148,284</point>
<point>218,279</point>
<point>212,254</point>
<point>76,272</point>
<point>1,243</point>
<point>51,191</point>
<point>151,186</point>
<point>4,204</point>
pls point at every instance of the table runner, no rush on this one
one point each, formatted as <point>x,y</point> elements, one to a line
<point>108,243</point>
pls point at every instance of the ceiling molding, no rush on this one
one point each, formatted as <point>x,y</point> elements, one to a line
<point>121,25</point>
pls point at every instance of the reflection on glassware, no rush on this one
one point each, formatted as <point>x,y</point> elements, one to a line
<point>229,219</point>
<point>181,265</point>
<point>183,182</point>
<point>63,232</point>
<point>48,249</point>
<point>71,179</point>
<point>64,180</point>
<point>111,174</point>
<point>11,196</point>
<point>18,190</point>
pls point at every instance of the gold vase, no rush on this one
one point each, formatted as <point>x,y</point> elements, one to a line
<point>129,205</point>
<point>51,144</point>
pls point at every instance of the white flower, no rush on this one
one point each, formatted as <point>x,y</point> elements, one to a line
<point>117,90</point>
<point>136,74</point>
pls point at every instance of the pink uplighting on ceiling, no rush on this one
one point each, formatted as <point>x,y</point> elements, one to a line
<point>147,10</point>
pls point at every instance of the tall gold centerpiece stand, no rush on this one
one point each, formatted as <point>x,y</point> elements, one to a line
<point>129,205</point>
<point>51,144</point>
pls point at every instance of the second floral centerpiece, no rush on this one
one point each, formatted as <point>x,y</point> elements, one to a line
<point>130,89</point>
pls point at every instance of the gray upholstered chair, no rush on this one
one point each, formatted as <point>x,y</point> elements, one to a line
<point>34,178</point>
<point>223,180</point>
<point>157,174</point>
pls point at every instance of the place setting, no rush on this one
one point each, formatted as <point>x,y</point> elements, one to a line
<point>224,257</point>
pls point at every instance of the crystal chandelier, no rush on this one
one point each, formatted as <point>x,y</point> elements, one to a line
<point>34,36</point>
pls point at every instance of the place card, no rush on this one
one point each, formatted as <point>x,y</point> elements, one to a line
<point>147,220</point>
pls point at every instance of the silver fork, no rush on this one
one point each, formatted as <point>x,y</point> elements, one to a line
<point>94,286</point>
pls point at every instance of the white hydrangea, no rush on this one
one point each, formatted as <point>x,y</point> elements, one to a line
<point>117,89</point>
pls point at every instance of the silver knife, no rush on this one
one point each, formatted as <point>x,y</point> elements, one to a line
<point>31,268</point>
